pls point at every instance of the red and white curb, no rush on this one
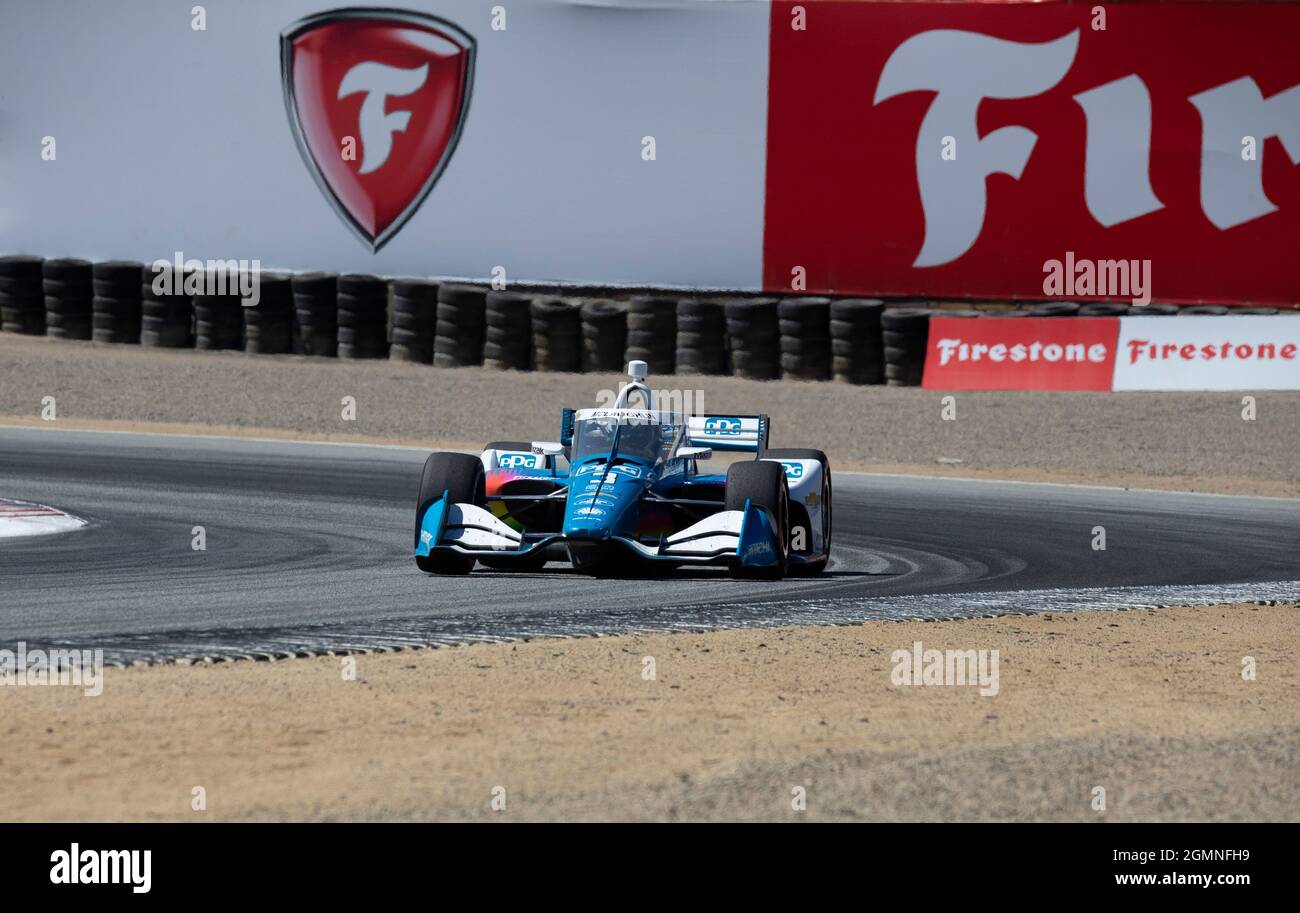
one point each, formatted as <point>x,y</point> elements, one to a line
<point>23,518</point>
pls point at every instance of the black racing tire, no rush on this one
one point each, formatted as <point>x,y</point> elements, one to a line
<point>799,453</point>
<point>1055,309</point>
<point>461,476</point>
<point>762,484</point>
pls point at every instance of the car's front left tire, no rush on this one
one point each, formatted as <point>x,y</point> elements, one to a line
<point>461,476</point>
<point>761,484</point>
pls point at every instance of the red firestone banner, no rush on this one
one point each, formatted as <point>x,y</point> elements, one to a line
<point>959,149</point>
<point>1048,353</point>
<point>1114,353</point>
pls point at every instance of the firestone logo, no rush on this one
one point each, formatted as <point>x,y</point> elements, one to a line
<point>376,99</point>
<point>1117,183</point>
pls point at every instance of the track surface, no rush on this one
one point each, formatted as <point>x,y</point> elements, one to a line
<point>308,544</point>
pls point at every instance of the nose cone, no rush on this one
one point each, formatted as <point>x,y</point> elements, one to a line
<point>601,502</point>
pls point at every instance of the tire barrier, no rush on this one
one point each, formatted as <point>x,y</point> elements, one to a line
<point>904,332</point>
<point>22,299</point>
<point>218,321</point>
<point>415,317</point>
<point>462,314</point>
<point>856,341</point>
<point>1103,310</point>
<point>701,337</point>
<point>604,336</point>
<point>857,351</point>
<point>805,325</point>
<point>652,332</point>
<point>754,338</point>
<point>68,296</point>
<point>316,313</point>
<point>166,321</point>
<point>1055,309</point>
<point>116,308</point>
<point>362,316</point>
<point>268,325</point>
<point>557,335</point>
<point>508,336</point>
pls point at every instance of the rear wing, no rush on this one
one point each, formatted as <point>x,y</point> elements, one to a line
<point>728,432</point>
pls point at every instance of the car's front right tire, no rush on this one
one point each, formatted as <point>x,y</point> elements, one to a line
<point>461,476</point>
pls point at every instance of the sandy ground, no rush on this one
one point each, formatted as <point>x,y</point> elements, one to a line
<point>1182,441</point>
<point>1149,705</point>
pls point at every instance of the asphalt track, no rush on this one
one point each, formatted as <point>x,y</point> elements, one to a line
<point>307,550</point>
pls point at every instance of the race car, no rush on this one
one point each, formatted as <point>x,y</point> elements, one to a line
<point>621,491</point>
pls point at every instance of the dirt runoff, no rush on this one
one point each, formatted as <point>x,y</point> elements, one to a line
<point>1180,441</point>
<point>1150,706</point>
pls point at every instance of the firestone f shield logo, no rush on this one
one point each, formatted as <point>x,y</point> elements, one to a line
<point>376,99</point>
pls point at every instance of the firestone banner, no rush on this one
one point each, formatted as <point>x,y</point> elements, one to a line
<point>956,149</point>
<point>1114,353</point>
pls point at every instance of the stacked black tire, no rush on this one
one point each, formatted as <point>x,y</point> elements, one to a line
<point>22,300</point>
<point>1055,309</point>
<point>415,319</point>
<point>462,317</point>
<point>604,336</point>
<point>701,337</point>
<point>166,312</point>
<point>557,335</point>
<point>219,313</point>
<point>805,325</point>
<point>905,332</point>
<point>857,350</point>
<point>68,296</point>
<point>1153,310</point>
<point>652,332</point>
<point>268,325</point>
<point>754,338</point>
<point>1101,309</point>
<point>316,313</point>
<point>1217,310</point>
<point>116,304</point>
<point>508,336</point>
<point>363,316</point>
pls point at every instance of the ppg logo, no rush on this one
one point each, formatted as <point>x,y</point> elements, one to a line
<point>722,427</point>
<point>516,460</point>
<point>793,470</point>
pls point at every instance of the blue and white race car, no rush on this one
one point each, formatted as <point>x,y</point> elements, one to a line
<point>621,490</point>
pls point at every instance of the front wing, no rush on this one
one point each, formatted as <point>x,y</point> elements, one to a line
<point>747,538</point>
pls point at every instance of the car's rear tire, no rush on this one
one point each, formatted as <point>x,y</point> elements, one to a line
<point>798,453</point>
<point>762,485</point>
<point>461,476</point>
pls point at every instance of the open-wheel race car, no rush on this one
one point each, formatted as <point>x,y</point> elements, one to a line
<point>621,489</point>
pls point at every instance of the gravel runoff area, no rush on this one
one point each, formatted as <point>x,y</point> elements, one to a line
<point>1183,441</point>
<point>1150,706</point>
